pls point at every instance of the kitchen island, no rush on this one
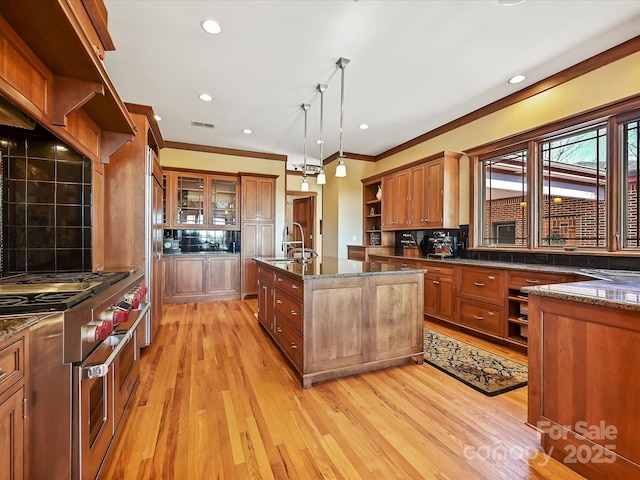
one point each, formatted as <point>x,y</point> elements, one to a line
<point>334,317</point>
<point>584,397</point>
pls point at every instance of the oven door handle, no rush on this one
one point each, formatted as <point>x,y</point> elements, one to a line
<point>101,370</point>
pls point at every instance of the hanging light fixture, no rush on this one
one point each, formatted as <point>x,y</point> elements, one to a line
<point>341,169</point>
<point>321,179</point>
<point>305,185</point>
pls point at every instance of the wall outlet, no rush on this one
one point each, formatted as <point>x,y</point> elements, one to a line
<point>354,238</point>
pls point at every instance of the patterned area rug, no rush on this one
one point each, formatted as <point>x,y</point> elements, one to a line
<point>482,370</point>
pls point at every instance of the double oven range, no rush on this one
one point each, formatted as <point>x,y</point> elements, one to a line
<point>83,363</point>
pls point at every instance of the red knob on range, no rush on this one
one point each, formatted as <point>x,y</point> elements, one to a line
<point>103,331</point>
<point>120,316</point>
<point>141,293</point>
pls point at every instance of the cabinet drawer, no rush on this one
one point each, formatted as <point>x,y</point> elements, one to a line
<point>12,358</point>
<point>437,269</point>
<point>290,285</point>
<point>528,279</point>
<point>265,277</point>
<point>289,309</point>
<point>483,284</point>
<point>480,316</point>
<point>290,343</point>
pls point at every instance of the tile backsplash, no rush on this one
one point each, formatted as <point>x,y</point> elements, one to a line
<point>207,241</point>
<point>46,203</point>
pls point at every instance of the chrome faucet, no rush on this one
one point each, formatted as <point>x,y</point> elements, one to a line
<point>291,251</point>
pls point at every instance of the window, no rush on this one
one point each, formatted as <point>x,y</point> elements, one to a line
<point>505,200</point>
<point>573,202</point>
<point>630,153</point>
<point>565,185</point>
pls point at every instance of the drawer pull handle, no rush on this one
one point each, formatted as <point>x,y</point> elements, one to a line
<point>478,317</point>
<point>532,281</point>
<point>438,269</point>
<point>294,286</point>
<point>435,282</point>
<point>2,373</point>
<point>279,302</point>
<point>478,284</point>
<point>279,329</point>
<point>491,277</point>
<point>491,314</point>
<point>294,313</point>
<point>293,345</point>
<point>280,280</point>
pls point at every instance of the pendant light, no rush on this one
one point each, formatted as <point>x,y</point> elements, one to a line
<point>341,169</point>
<point>321,179</point>
<point>305,185</point>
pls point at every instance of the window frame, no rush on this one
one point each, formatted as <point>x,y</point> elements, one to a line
<point>612,116</point>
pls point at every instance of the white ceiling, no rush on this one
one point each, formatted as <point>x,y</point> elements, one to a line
<point>415,65</point>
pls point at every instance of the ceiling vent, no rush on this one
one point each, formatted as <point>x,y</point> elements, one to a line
<point>202,124</point>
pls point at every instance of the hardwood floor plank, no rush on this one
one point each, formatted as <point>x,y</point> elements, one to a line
<point>217,400</point>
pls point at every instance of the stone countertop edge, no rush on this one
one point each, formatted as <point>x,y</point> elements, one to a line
<point>614,294</point>
<point>283,266</point>
<point>11,325</point>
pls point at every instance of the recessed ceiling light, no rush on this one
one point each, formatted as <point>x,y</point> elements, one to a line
<point>157,117</point>
<point>211,26</point>
<point>517,79</point>
<point>363,126</point>
<point>319,141</point>
<point>510,3</point>
<point>205,97</point>
<point>247,131</point>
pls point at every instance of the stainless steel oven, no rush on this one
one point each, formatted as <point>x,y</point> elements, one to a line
<point>83,363</point>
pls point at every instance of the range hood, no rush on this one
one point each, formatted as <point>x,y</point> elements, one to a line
<point>13,117</point>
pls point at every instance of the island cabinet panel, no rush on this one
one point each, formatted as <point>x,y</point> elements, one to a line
<point>329,326</point>
<point>398,327</point>
<point>326,349</point>
<point>583,393</point>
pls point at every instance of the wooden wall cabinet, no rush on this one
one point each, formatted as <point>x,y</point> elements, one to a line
<point>258,194</point>
<point>422,195</point>
<point>13,422</point>
<point>196,200</point>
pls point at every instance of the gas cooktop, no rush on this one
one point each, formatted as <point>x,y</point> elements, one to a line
<point>43,292</point>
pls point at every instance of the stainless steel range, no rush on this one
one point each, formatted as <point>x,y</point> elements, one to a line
<point>83,363</point>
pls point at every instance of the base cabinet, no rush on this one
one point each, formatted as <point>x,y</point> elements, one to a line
<point>201,278</point>
<point>13,422</point>
<point>583,358</point>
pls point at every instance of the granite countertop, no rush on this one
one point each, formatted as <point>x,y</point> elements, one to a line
<point>333,267</point>
<point>13,324</point>
<point>619,290</point>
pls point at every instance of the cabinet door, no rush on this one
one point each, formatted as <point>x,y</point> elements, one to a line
<point>435,179</point>
<point>189,276</point>
<point>12,437</point>
<point>447,299</point>
<point>258,199</point>
<point>222,211</point>
<point>190,198</point>
<point>223,274</point>
<point>418,197</point>
<point>403,199</point>
<point>389,202</point>
<point>167,276</point>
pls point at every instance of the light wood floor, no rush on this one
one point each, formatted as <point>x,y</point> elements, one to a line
<point>217,400</point>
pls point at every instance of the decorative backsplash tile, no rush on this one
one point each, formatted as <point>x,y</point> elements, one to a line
<point>46,203</point>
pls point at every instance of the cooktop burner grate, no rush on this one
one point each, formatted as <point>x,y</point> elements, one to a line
<point>8,301</point>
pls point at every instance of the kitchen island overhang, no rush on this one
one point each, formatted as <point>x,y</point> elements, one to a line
<point>334,317</point>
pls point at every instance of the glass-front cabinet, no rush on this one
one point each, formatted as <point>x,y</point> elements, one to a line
<point>194,200</point>
<point>191,199</point>
<point>223,201</point>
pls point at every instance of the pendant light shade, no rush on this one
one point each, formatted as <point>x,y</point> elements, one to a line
<point>321,179</point>
<point>305,185</point>
<point>341,169</point>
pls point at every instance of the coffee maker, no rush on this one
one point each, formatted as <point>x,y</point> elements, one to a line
<point>439,245</point>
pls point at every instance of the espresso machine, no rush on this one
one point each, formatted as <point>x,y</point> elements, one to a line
<point>439,244</point>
